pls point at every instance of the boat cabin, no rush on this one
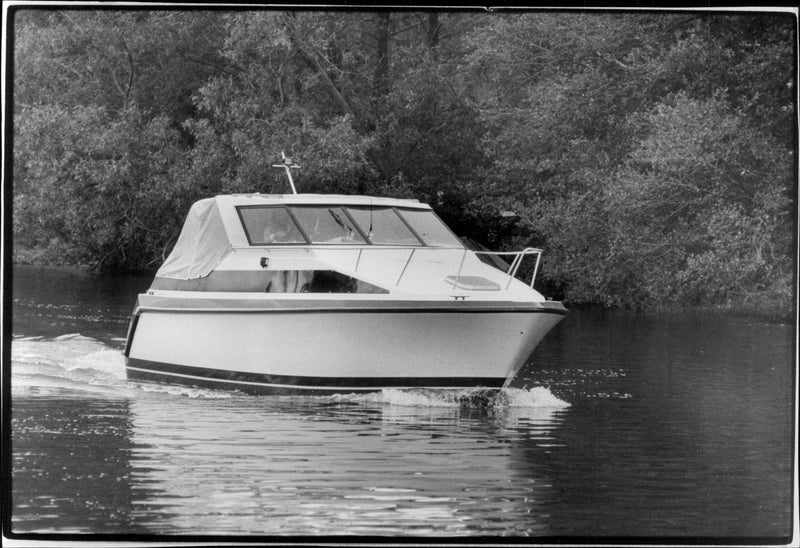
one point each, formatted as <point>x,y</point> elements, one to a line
<point>309,243</point>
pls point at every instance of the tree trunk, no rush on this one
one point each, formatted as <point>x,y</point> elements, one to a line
<point>312,61</point>
<point>310,56</point>
<point>432,31</point>
<point>382,66</point>
<point>380,155</point>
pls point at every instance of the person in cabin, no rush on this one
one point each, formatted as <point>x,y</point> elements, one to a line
<point>281,230</point>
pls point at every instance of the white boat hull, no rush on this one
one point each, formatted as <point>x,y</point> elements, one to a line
<point>335,350</point>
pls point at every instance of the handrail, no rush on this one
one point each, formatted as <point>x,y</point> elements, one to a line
<point>514,266</point>
<point>512,269</point>
<point>460,266</point>
<point>405,266</point>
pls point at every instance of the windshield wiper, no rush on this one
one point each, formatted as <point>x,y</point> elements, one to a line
<point>337,219</point>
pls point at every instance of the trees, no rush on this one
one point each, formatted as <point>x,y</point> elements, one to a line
<point>114,59</point>
<point>105,191</point>
<point>278,100</point>
<point>700,204</point>
<point>649,153</point>
<point>99,100</point>
<point>644,158</point>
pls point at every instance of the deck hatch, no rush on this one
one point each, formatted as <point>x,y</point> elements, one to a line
<point>473,283</point>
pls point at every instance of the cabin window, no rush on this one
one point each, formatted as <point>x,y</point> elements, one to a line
<point>430,228</point>
<point>271,281</point>
<point>327,225</point>
<point>354,225</point>
<point>270,225</point>
<point>383,226</point>
<point>317,281</point>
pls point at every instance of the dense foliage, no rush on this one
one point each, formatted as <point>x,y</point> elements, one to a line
<point>650,154</point>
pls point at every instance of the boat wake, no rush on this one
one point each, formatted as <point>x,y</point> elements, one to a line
<point>472,398</point>
<point>475,398</point>
<point>79,366</point>
<point>67,364</point>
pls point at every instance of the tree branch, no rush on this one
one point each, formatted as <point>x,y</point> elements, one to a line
<point>310,56</point>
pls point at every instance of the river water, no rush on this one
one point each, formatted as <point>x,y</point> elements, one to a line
<point>622,425</point>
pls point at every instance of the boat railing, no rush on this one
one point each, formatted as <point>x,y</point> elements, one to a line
<point>512,270</point>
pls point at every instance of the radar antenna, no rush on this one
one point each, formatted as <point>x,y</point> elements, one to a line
<point>288,164</point>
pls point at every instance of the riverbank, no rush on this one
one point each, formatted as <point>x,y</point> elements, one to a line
<point>773,312</point>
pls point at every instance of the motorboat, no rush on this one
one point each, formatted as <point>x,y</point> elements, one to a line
<point>324,294</point>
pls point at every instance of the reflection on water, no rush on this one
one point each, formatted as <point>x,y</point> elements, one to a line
<point>272,466</point>
<point>621,424</point>
<point>293,465</point>
<point>71,465</point>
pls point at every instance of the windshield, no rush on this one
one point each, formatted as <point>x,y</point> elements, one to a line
<point>269,225</point>
<point>383,226</point>
<point>354,225</point>
<point>430,228</point>
<point>327,225</point>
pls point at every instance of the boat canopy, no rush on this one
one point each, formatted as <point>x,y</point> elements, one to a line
<point>215,226</point>
<point>201,246</point>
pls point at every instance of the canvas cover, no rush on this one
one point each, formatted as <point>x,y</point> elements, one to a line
<point>202,244</point>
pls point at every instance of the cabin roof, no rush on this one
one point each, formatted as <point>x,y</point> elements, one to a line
<point>318,199</point>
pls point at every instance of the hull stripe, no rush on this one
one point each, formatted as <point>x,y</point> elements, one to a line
<point>248,382</point>
<point>175,303</point>
<point>509,310</point>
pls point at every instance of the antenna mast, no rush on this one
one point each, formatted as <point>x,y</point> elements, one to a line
<point>288,164</point>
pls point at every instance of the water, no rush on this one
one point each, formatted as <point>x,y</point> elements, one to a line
<point>623,425</point>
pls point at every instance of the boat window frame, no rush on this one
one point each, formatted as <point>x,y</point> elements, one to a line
<point>330,208</point>
<point>352,219</point>
<point>271,244</point>
<point>345,208</point>
<point>432,212</point>
<point>411,228</point>
<point>397,213</point>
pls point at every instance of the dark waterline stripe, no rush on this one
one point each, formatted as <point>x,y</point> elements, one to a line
<point>260,383</point>
<point>351,310</point>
